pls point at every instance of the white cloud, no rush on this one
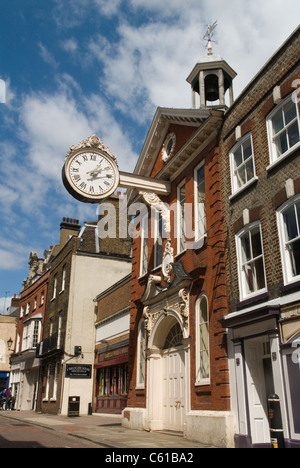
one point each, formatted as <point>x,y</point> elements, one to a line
<point>47,56</point>
<point>70,45</point>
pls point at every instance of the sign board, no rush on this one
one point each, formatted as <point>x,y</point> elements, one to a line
<point>79,371</point>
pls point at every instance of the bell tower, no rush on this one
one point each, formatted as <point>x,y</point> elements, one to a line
<point>211,77</point>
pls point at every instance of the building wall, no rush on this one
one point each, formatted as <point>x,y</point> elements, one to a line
<point>268,192</point>
<point>206,265</point>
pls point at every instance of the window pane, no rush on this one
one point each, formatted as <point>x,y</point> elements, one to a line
<point>289,112</point>
<point>238,157</point>
<point>241,176</point>
<point>256,243</point>
<point>204,365</point>
<point>203,311</point>
<point>201,202</point>
<point>277,122</point>
<point>259,274</point>
<point>281,143</point>
<point>249,170</point>
<point>246,248</point>
<point>290,223</point>
<point>294,248</point>
<point>293,134</point>
<point>247,148</point>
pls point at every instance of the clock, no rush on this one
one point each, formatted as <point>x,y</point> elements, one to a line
<point>90,173</point>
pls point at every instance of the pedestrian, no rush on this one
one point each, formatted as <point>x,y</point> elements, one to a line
<point>2,399</point>
<point>8,398</point>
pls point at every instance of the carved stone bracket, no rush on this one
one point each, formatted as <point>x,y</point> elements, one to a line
<point>154,201</point>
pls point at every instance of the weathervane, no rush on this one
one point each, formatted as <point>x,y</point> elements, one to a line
<point>208,37</point>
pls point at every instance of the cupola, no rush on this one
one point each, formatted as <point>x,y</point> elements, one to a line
<point>211,77</point>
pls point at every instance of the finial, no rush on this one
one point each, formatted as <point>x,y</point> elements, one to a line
<point>208,37</point>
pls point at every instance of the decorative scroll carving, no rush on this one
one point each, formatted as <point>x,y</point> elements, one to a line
<point>154,201</point>
<point>167,261</point>
<point>92,142</point>
<point>179,305</point>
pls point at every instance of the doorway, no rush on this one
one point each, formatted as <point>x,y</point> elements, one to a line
<point>260,385</point>
<point>167,382</point>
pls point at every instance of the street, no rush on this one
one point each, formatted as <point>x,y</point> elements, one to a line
<point>18,434</point>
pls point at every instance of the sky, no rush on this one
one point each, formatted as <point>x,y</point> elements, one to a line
<point>74,68</point>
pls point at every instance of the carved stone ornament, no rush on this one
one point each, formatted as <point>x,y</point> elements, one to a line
<point>154,201</point>
<point>168,258</point>
<point>92,142</point>
<point>179,305</point>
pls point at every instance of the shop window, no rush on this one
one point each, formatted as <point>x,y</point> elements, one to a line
<point>113,380</point>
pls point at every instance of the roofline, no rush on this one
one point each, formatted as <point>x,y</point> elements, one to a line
<point>262,70</point>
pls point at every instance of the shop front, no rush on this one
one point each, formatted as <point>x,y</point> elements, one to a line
<point>112,378</point>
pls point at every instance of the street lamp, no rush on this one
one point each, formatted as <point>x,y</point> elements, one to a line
<point>9,343</point>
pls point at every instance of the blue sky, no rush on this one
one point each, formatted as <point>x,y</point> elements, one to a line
<point>73,68</point>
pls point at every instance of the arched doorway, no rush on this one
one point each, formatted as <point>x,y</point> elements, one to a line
<point>167,375</point>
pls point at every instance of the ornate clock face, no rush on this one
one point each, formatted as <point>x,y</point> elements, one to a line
<point>90,175</point>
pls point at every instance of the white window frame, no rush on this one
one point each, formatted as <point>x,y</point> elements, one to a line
<point>274,158</point>
<point>141,360</point>
<point>200,324</point>
<point>54,287</point>
<point>144,246</point>
<point>235,189</point>
<point>288,275</point>
<point>55,382</point>
<point>200,207</point>
<point>181,221</point>
<point>244,293</point>
<point>63,281</point>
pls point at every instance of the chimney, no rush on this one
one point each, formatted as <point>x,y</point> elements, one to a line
<point>68,227</point>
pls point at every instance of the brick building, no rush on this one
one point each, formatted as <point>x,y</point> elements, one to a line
<point>7,339</point>
<point>25,368</point>
<point>112,346</point>
<point>178,366</point>
<point>260,165</point>
<point>82,265</point>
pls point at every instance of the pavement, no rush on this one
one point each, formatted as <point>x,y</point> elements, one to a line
<point>105,430</point>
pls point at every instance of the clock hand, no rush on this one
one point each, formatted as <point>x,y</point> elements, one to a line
<point>95,171</point>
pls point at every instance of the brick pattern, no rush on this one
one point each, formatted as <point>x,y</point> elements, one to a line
<point>207,267</point>
<point>268,192</point>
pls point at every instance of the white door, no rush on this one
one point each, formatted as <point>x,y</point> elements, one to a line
<point>173,370</point>
<point>258,411</point>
